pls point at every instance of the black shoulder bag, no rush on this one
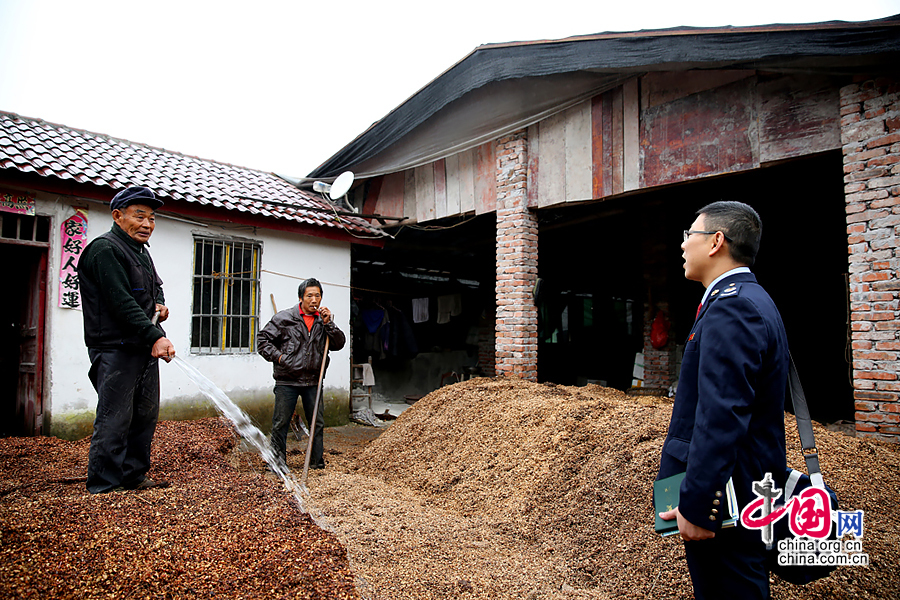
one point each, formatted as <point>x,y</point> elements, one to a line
<point>795,483</point>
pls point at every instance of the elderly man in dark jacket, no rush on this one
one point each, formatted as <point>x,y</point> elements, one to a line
<point>121,293</point>
<point>294,342</point>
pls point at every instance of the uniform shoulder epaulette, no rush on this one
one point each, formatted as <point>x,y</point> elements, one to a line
<point>731,290</point>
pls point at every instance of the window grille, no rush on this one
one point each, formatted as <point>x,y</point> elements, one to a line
<point>226,296</point>
<point>25,228</point>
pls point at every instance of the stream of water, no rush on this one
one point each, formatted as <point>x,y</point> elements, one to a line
<point>249,432</point>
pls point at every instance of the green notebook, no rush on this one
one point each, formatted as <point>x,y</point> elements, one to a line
<point>665,494</point>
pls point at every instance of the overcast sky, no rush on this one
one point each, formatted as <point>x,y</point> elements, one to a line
<point>281,86</point>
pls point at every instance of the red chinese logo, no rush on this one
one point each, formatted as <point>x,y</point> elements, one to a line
<point>809,512</point>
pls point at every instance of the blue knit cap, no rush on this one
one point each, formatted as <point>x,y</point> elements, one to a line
<point>135,195</point>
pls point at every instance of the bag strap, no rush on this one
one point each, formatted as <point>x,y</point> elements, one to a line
<point>804,426</point>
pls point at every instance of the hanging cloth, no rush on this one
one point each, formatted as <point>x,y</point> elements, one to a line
<point>420,310</point>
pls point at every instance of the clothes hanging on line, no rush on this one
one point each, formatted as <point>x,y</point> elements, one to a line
<point>372,317</point>
<point>420,310</point>
<point>448,306</point>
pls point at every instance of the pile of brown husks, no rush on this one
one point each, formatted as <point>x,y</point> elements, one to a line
<point>508,489</point>
<point>490,488</point>
<point>215,533</point>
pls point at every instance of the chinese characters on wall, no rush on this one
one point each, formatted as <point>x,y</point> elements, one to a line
<point>17,202</point>
<point>73,239</point>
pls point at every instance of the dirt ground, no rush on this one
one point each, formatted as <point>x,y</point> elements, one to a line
<point>490,488</point>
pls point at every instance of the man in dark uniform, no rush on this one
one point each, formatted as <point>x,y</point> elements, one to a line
<point>294,342</point>
<point>728,415</point>
<point>121,294</point>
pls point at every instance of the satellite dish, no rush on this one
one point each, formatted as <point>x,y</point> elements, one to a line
<point>337,189</point>
<point>341,185</point>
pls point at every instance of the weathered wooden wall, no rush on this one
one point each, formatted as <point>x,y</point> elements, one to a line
<point>707,133</point>
<point>459,184</point>
<point>653,130</point>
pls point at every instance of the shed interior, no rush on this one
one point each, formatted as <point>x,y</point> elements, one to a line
<point>602,264</point>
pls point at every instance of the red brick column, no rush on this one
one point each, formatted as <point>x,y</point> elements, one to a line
<point>517,256</point>
<point>870,134</point>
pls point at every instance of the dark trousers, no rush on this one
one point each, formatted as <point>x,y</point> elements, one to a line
<point>285,403</point>
<point>127,384</point>
<point>731,565</point>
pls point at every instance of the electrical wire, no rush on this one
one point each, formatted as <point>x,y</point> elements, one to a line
<point>344,227</point>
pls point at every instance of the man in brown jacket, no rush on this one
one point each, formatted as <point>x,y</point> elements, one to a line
<point>294,342</point>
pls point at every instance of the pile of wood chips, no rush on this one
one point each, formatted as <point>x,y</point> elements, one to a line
<point>508,489</point>
<point>489,488</point>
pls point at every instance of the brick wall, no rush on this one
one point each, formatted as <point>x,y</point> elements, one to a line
<point>517,254</point>
<point>486,351</point>
<point>659,365</point>
<point>870,134</point>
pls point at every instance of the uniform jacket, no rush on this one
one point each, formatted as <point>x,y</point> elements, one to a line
<point>728,415</point>
<point>119,292</point>
<point>286,335</point>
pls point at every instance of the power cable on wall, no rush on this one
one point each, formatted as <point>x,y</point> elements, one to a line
<point>301,278</point>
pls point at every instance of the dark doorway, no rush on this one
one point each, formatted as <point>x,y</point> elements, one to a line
<point>629,249</point>
<point>591,295</point>
<point>21,348</point>
<point>452,258</point>
<point>802,263</point>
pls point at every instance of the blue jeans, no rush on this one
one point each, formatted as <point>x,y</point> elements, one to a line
<point>285,403</point>
<point>127,384</point>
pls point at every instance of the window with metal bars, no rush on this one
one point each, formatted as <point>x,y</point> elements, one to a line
<point>25,227</point>
<point>226,296</point>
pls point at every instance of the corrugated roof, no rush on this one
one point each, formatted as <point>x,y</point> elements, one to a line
<point>833,47</point>
<point>55,151</point>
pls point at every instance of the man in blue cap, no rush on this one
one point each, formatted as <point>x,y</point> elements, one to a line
<point>121,296</point>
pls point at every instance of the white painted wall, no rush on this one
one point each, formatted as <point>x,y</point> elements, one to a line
<point>287,259</point>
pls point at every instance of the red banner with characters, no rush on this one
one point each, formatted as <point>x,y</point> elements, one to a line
<point>73,239</point>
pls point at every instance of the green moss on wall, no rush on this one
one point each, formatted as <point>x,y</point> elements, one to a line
<point>79,424</point>
<point>72,425</point>
<point>337,408</point>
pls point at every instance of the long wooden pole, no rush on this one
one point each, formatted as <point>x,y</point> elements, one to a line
<point>312,422</point>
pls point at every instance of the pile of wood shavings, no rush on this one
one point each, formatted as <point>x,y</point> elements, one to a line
<point>216,532</point>
<point>484,489</point>
<point>509,489</point>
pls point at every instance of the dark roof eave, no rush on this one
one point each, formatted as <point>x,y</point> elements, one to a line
<point>740,47</point>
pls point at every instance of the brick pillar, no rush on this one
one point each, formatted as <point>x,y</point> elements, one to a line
<point>517,256</point>
<point>870,134</point>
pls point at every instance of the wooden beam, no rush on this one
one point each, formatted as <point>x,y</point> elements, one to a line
<point>440,189</point>
<point>425,192</point>
<point>485,179</point>
<point>532,196</point>
<point>578,152</point>
<point>631,134</point>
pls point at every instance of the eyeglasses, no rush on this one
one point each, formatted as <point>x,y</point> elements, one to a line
<point>688,232</point>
